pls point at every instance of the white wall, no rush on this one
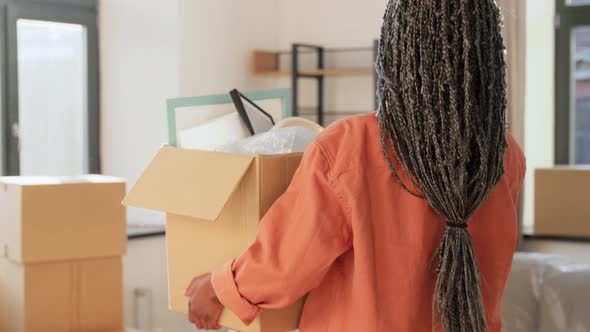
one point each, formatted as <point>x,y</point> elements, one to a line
<point>151,50</point>
<point>335,23</point>
<point>539,119</point>
<point>331,22</point>
<point>540,92</point>
<point>139,70</point>
<point>216,39</point>
<point>144,270</point>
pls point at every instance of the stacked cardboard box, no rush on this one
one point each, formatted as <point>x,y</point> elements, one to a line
<point>214,202</point>
<point>61,242</point>
<point>561,201</point>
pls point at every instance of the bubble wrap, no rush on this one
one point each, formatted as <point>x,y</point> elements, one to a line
<point>276,141</point>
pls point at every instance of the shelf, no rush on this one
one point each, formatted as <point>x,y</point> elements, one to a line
<point>272,73</point>
<point>329,50</point>
<point>339,71</point>
<point>266,63</point>
<point>311,111</point>
<point>321,72</point>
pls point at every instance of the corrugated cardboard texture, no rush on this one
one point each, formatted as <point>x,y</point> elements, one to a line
<point>197,244</point>
<point>100,303</point>
<point>281,320</point>
<point>128,329</point>
<point>10,231</point>
<point>50,297</point>
<point>172,180</point>
<point>231,233</point>
<point>66,296</point>
<point>12,296</point>
<point>42,223</point>
<point>275,173</point>
<point>561,201</point>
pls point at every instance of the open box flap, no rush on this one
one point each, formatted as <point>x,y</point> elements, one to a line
<point>189,182</point>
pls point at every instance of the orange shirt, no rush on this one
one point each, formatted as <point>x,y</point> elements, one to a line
<point>349,234</point>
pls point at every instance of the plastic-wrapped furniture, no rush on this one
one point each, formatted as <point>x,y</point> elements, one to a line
<point>564,304</point>
<point>520,305</point>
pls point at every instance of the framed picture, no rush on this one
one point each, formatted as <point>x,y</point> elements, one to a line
<point>190,112</point>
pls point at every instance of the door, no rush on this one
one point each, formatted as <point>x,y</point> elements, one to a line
<point>573,82</point>
<point>52,89</point>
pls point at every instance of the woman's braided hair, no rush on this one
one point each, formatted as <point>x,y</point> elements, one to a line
<point>442,103</point>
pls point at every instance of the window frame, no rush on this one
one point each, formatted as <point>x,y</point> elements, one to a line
<point>81,12</point>
<point>568,18</point>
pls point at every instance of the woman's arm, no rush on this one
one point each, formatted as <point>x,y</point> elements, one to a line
<point>299,238</point>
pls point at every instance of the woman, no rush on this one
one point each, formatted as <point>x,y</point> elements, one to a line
<point>401,220</point>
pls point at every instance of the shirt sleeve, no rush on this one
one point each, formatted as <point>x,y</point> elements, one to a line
<point>516,168</point>
<point>299,238</point>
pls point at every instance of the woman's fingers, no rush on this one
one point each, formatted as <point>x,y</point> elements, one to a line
<point>207,323</point>
<point>199,325</point>
<point>188,291</point>
<point>216,316</point>
<point>204,312</point>
<point>190,314</point>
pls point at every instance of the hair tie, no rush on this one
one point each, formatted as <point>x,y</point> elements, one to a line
<point>456,224</point>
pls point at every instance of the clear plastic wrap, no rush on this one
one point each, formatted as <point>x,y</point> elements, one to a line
<point>564,304</point>
<point>520,305</point>
<point>276,141</point>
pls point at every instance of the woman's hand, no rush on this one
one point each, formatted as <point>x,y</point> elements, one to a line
<point>204,307</point>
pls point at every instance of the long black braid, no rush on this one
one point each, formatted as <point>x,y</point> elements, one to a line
<point>442,103</point>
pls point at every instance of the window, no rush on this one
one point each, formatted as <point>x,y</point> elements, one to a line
<point>573,82</point>
<point>50,89</point>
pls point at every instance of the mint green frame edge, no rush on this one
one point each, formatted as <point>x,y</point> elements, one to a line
<point>174,103</point>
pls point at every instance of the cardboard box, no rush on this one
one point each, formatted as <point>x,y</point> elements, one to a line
<point>129,329</point>
<point>54,219</point>
<point>60,245</point>
<point>213,202</point>
<point>83,295</point>
<point>561,201</point>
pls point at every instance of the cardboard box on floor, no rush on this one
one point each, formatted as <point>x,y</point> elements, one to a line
<point>61,243</point>
<point>214,202</point>
<point>68,296</point>
<point>59,218</point>
<point>561,201</point>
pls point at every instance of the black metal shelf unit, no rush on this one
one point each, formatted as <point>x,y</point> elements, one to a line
<point>296,75</point>
<point>320,72</point>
